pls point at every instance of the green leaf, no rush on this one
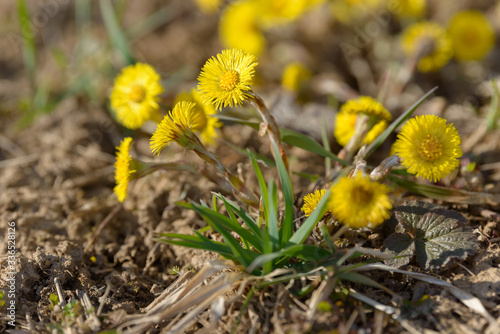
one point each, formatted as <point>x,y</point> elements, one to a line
<point>404,116</point>
<point>403,246</point>
<point>215,219</point>
<point>272,216</point>
<point>242,214</point>
<point>494,110</point>
<point>286,229</point>
<point>118,39</point>
<point>197,241</point>
<point>438,235</point>
<point>28,36</point>
<point>307,226</point>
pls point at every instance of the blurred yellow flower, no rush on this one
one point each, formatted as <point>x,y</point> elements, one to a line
<point>472,35</point>
<point>430,43</point>
<point>176,126</point>
<point>274,13</point>
<point>346,118</point>
<point>238,27</point>
<point>123,168</point>
<point>428,147</point>
<point>294,75</point>
<point>359,202</point>
<point>225,80</point>
<point>351,12</point>
<point>311,201</point>
<point>134,97</point>
<point>209,6</point>
<point>410,9</point>
<point>205,116</point>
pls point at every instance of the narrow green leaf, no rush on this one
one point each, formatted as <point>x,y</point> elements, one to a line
<point>244,256</point>
<point>118,39</point>
<point>29,48</point>
<point>242,214</point>
<point>286,229</point>
<point>307,143</point>
<point>307,226</point>
<point>229,224</point>
<point>197,241</point>
<point>494,110</point>
<point>272,216</point>
<point>404,116</point>
<point>305,252</point>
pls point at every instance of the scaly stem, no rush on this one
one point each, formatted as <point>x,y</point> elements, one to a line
<point>269,124</point>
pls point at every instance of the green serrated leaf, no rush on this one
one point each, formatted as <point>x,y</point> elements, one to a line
<point>443,235</point>
<point>402,246</point>
<point>431,233</point>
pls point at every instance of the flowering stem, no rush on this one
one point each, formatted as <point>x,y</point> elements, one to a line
<point>269,124</point>
<point>385,167</point>
<point>238,186</point>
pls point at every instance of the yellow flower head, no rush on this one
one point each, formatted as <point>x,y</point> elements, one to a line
<point>472,35</point>
<point>225,80</point>
<point>278,12</point>
<point>410,9</point>
<point>123,168</point>
<point>205,120</point>
<point>177,126</point>
<point>359,202</point>
<point>428,147</point>
<point>134,97</point>
<point>347,116</point>
<point>430,43</point>
<point>352,12</point>
<point>294,75</point>
<point>209,6</point>
<point>238,27</point>
<point>311,201</point>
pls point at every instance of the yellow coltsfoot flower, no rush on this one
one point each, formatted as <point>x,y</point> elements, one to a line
<point>294,76</point>
<point>123,168</point>
<point>134,97</point>
<point>225,80</point>
<point>177,126</point>
<point>238,27</point>
<point>312,200</point>
<point>472,35</point>
<point>428,147</point>
<point>359,202</point>
<point>430,43</point>
<point>206,120</point>
<point>347,116</point>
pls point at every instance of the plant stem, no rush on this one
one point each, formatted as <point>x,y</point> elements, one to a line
<point>269,124</point>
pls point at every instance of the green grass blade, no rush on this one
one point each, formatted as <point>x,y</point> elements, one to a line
<point>197,241</point>
<point>228,224</point>
<point>305,229</point>
<point>272,216</point>
<point>242,214</point>
<point>307,143</point>
<point>494,111</point>
<point>28,36</point>
<point>305,252</point>
<point>286,229</point>
<point>404,116</point>
<point>244,256</point>
<point>118,39</point>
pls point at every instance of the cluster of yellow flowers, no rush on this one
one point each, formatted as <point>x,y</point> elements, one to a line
<point>470,36</point>
<point>427,146</point>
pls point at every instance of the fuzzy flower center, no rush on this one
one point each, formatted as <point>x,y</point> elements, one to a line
<point>137,93</point>
<point>361,195</point>
<point>430,149</point>
<point>229,80</point>
<point>470,37</point>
